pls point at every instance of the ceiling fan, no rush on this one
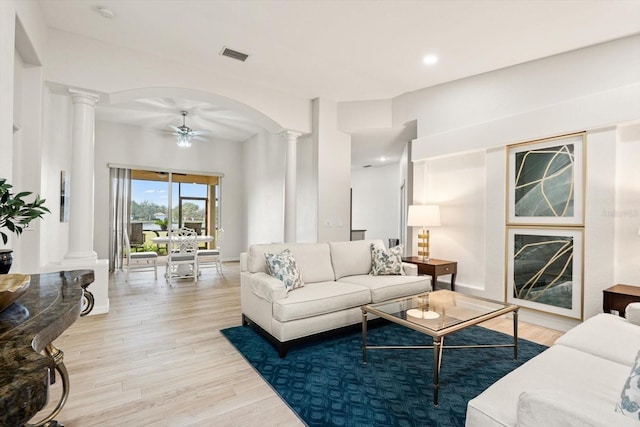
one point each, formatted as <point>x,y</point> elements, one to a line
<point>185,134</point>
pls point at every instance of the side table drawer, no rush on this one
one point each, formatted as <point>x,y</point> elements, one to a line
<point>443,270</point>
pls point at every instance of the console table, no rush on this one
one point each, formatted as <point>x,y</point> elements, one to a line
<point>435,268</point>
<point>28,327</point>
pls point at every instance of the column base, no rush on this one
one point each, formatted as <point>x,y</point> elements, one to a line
<point>80,257</point>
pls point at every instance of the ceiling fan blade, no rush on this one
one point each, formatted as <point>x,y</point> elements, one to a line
<point>176,129</point>
<point>200,132</point>
<point>199,139</point>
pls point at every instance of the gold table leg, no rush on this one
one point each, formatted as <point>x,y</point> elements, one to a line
<point>57,355</point>
<point>438,344</point>
<point>364,337</point>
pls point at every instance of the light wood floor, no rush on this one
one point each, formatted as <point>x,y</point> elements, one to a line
<point>158,358</point>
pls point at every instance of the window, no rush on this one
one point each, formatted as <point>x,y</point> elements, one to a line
<point>191,206</point>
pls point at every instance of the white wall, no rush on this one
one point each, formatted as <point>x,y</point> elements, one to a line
<point>56,155</point>
<point>21,49</point>
<point>333,150</point>
<point>263,166</point>
<point>376,202</point>
<point>457,185</point>
<point>627,206</point>
<point>591,89</point>
<point>599,225</point>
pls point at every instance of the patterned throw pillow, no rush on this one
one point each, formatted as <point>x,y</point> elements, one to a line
<point>283,267</point>
<point>629,404</point>
<point>386,262</point>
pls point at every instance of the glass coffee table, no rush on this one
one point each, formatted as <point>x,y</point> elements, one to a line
<point>438,314</point>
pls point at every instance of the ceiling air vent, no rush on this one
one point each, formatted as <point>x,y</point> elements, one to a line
<point>234,54</point>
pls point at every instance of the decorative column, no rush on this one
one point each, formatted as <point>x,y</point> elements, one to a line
<point>81,183</point>
<point>290,202</point>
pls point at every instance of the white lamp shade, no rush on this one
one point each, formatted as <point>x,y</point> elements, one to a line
<point>423,216</point>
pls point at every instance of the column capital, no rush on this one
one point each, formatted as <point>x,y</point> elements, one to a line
<point>290,135</point>
<point>81,96</point>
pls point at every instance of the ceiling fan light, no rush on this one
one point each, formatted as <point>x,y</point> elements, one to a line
<point>184,141</point>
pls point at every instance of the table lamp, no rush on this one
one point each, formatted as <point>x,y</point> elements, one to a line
<point>423,216</point>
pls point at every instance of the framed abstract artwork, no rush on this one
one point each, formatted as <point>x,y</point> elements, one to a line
<point>546,182</point>
<point>545,270</point>
<point>64,197</point>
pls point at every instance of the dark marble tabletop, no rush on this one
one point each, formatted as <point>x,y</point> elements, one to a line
<point>50,305</point>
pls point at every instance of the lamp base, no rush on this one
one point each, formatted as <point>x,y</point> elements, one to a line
<point>423,245</point>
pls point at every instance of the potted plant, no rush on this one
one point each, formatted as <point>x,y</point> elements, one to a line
<point>162,223</point>
<point>15,215</point>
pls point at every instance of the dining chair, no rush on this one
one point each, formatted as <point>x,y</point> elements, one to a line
<point>197,227</point>
<point>136,238</point>
<point>181,258</point>
<point>211,257</point>
<point>208,258</point>
<point>139,260</point>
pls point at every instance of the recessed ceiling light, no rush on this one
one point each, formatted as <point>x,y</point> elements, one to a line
<point>430,59</point>
<point>105,13</point>
<point>383,159</point>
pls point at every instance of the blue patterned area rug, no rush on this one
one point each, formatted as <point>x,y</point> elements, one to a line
<point>325,382</point>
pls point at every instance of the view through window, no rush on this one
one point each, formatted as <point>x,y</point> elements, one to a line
<point>191,206</point>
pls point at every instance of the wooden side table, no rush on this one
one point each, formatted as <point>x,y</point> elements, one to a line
<point>435,268</point>
<point>618,297</point>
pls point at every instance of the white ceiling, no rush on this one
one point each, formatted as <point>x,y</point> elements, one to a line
<point>341,50</point>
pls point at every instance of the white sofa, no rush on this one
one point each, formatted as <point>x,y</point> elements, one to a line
<point>337,284</point>
<point>576,382</point>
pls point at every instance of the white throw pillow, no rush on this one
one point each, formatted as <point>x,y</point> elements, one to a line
<point>283,267</point>
<point>386,262</point>
<point>629,404</point>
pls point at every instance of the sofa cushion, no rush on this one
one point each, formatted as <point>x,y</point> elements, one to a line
<point>319,298</point>
<point>596,380</point>
<point>383,288</point>
<point>283,267</point>
<point>605,335</point>
<point>386,261</point>
<point>629,404</point>
<point>352,258</point>
<point>551,408</point>
<point>313,259</point>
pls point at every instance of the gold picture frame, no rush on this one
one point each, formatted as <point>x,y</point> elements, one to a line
<point>545,182</point>
<point>544,270</point>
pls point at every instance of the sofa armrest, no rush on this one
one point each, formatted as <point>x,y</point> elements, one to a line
<point>244,261</point>
<point>554,408</point>
<point>267,287</point>
<point>410,269</point>
<point>632,313</point>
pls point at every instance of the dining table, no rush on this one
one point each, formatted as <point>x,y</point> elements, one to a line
<point>163,240</point>
<point>181,272</point>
